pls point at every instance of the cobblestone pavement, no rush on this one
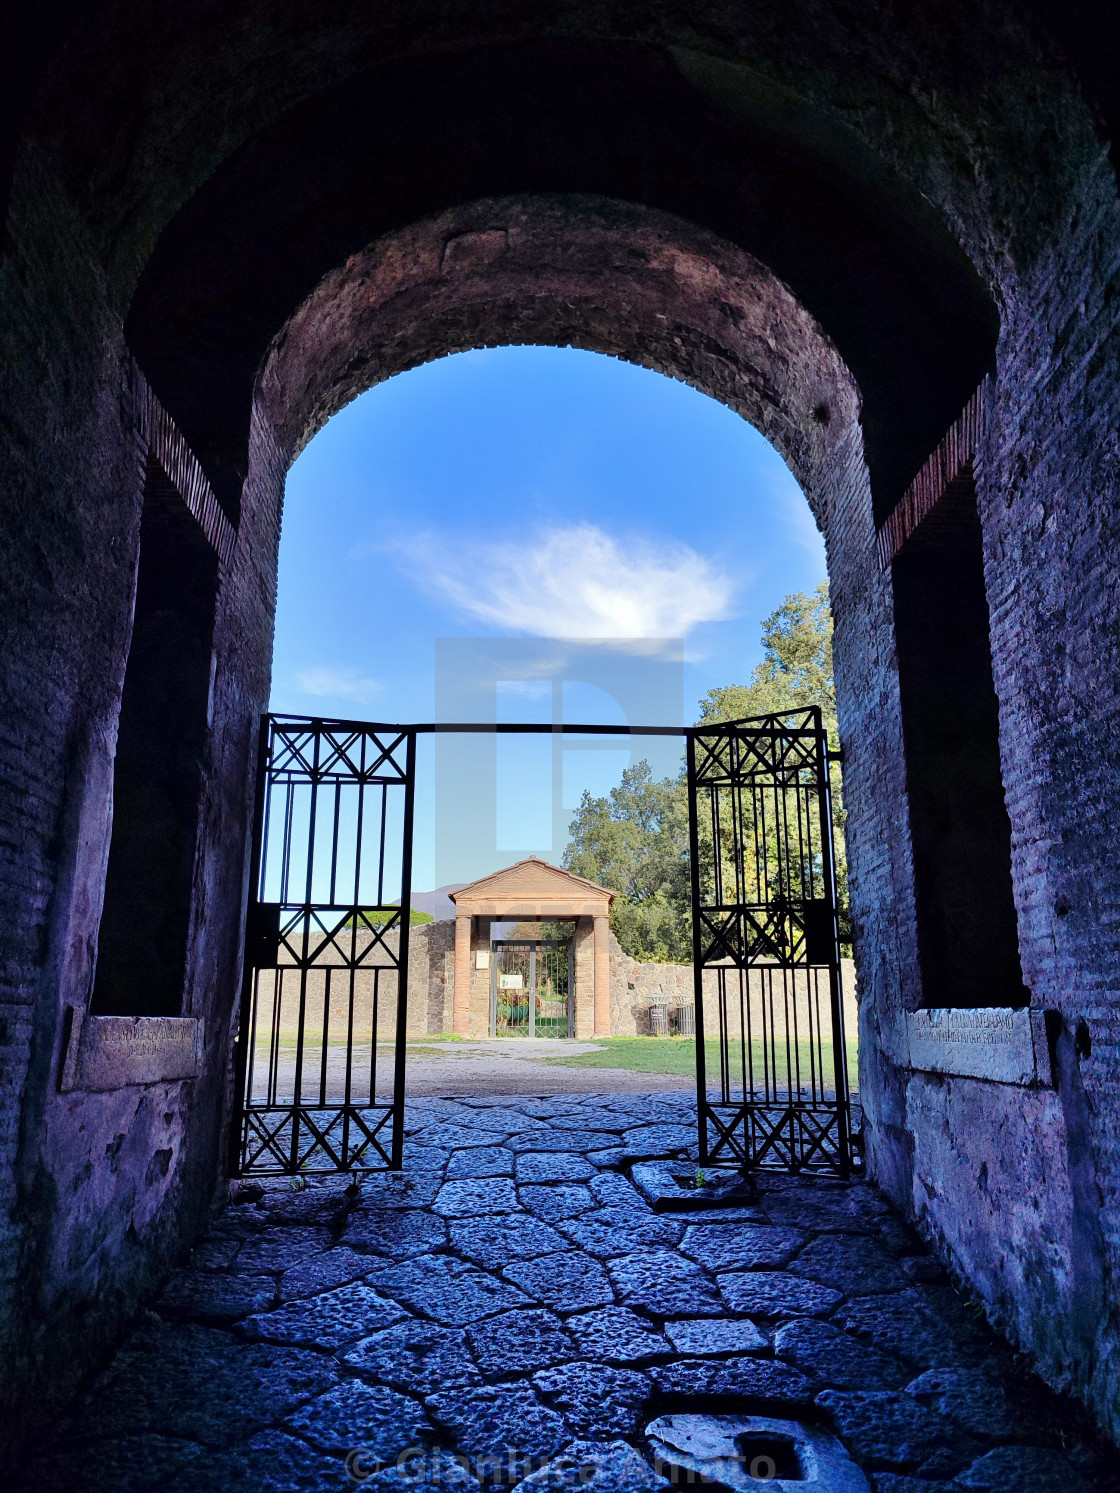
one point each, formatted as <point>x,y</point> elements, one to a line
<point>512,1311</point>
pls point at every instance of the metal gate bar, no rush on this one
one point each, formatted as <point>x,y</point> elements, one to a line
<point>766,946</point>
<point>320,1062</point>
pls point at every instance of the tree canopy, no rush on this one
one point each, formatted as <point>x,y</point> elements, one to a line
<point>635,840</point>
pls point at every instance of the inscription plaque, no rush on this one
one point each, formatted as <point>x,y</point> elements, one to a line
<point>115,1052</point>
<point>997,1044</point>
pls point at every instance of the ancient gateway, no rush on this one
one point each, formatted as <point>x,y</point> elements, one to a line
<point>888,235</point>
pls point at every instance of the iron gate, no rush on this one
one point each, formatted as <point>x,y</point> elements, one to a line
<point>766,946</point>
<point>320,1070</point>
<point>531,985</point>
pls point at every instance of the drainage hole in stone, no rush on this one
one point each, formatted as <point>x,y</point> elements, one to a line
<point>765,1457</point>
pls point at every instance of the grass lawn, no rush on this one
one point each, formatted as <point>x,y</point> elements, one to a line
<point>676,1055</point>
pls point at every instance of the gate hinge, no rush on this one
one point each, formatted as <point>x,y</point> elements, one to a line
<point>835,756</point>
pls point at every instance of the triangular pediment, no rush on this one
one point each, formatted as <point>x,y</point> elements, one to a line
<point>531,878</point>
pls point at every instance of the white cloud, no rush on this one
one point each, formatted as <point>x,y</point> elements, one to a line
<point>574,582</point>
<point>338,683</point>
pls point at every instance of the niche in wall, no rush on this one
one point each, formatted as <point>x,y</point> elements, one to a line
<point>960,829</point>
<point>157,776</point>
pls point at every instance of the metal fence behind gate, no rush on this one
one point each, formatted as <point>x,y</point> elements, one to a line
<point>531,987</point>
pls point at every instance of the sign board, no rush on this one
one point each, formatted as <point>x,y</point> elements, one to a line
<point>511,982</point>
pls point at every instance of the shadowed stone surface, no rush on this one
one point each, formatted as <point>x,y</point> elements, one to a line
<point>766,1293</point>
<point>480,1161</point>
<point>447,1290</point>
<point>665,1284</point>
<point>613,1468</point>
<point>596,1401</point>
<point>489,1330</point>
<point>567,1282</point>
<point>379,1420</point>
<point>835,1358</point>
<point>708,1337</point>
<point>723,1246</point>
<point>494,1242</point>
<point>216,1300</point>
<point>489,1422</point>
<point>326,1321</point>
<point>416,1356</point>
<point>615,1334</point>
<point>519,1342</point>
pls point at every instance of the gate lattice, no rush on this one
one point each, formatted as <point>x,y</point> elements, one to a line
<point>321,1048</point>
<point>766,945</point>
<point>320,1068</point>
<point>531,985</point>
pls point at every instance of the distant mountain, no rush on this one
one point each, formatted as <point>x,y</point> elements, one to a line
<point>438,903</point>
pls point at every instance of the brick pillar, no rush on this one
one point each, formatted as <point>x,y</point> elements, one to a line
<point>602,985</point>
<point>461,1000</point>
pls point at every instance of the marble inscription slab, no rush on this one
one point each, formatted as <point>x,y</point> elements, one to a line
<point>115,1052</point>
<point>997,1044</point>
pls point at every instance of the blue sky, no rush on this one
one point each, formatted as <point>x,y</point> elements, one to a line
<point>530,492</point>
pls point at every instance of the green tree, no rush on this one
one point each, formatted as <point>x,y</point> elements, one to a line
<point>635,840</point>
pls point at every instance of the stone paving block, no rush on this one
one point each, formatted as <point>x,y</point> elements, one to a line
<point>215,1254</point>
<point>741,1377</point>
<point>589,1117</point>
<point>609,1232</point>
<point>416,1356</point>
<point>616,1335</point>
<point>774,1293</point>
<point>452,1136</point>
<point>720,1246</point>
<point>851,1263</point>
<point>496,1241</point>
<point>562,1200</point>
<point>608,1158</point>
<point>837,1359</point>
<point>474,1199</point>
<point>708,1337</point>
<point>197,1383</point>
<point>321,1204</point>
<point>612,1190</point>
<point>398,1190</point>
<point>121,1464</point>
<point>432,1468</point>
<point>394,1233</point>
<point>563,1166</point>
<point>974,1398</point>
<point>338,1267</point>
<point>493,1425</point>
<point>272,1462</point>
<point>381,1421</point>
<point>817,1206</point>
<point>480,1161</point>
<point>520,1342</point>
<point>905,1325</point>
<point>666,1284</point>
<point>280,1248</point>
<point>595,1467</point>
<point>595,1399</point>
<point>1023,1469</point>
<point>448,1291</point>
<point>509,1119</point>
<point>425,1160</point>
<point>205,1296</point>
<point>566,1282</point>
<point>644,1142</point>
<point>326,1321</point>
<point>557,1141</point>
<point>902,1482</point>
<point>894,1431</point>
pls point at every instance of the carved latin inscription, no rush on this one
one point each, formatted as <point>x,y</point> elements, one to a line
<point>996,1044</point>
<point>116,1052</point>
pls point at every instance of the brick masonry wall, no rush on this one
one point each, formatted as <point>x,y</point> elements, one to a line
<point>1019,1188</point>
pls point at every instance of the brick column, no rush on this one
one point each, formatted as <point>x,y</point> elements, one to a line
<point>602,985</point>
<point>461,1001</point>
